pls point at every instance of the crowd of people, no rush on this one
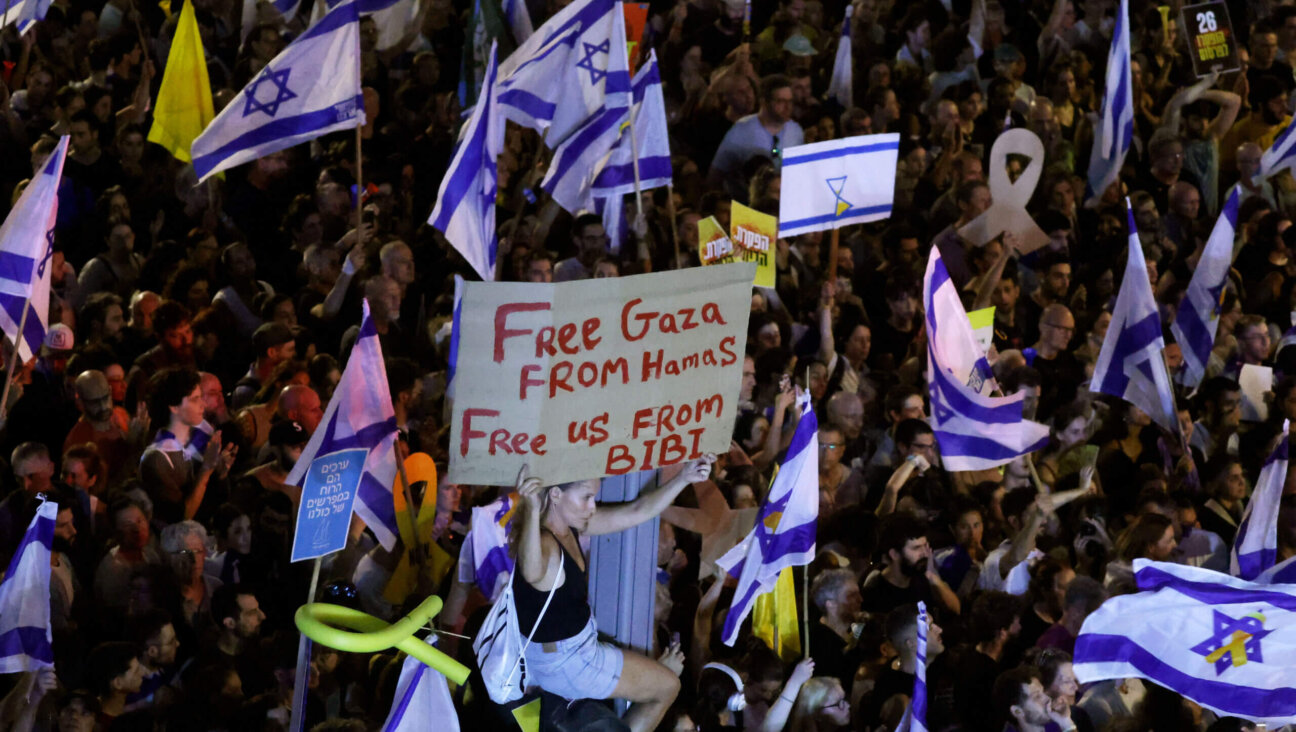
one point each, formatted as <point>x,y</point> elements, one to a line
<point>197,331</point>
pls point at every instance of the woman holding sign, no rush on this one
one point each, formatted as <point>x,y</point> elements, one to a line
<point>565,656</point>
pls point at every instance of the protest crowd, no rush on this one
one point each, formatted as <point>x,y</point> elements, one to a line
<point>197,331</point>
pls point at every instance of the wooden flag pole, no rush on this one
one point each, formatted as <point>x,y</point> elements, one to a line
<point>833,242</point>
<point>674,225</point>
<point>13,361</point>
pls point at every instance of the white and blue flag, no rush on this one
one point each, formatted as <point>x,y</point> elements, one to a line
<point>841,86</point>
<point>571,69</point>
<point>828,185</point>
<point>1281,154</point>
<point>360,415</point>
<point>1197,318</point>
<point>784,535</point>
<point>1220,641</point>
<point>1255,548</point>
<point>519,19</point>
<point>488,537</point>
<point>465,207</point>
<point>26,642</point>
<point>1115,131</point>
<point>422,697</point>
<point>310,89</point>
<point>975,430</point>
<point>1130,364</point>
<point>617,176</point>
<point>26,247</point>
<point>24,13</point>
<point>597,160</point>
<point>915,718</point>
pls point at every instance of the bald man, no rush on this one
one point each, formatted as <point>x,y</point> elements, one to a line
<point>301,404</point>
<point>1060,371</point>
<point>97,424</point>
<point>1249,182</point>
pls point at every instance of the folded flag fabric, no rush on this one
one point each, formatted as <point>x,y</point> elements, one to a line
<point>1255,548</point>
<point>1197,317</point>
<point>1115,131</point>
<point>26,248</point>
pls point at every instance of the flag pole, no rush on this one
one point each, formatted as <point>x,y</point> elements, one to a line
<point>805,609</point>
<point>833,241</point>
<point>13,361</point>
<point>674,225</point>
<point>634,162</point>
<point>297,721</point>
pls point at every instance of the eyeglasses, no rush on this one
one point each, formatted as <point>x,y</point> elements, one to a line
<point>829,445</point>
<point>842,703</point>
<point>1067,328</point>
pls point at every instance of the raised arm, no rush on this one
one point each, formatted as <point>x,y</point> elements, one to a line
<point>530,551</point>
<point>611,519</point>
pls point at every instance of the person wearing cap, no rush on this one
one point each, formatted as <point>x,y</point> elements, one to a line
<point>273,344</point>
<point>287,438</point>
<point>46,409</point>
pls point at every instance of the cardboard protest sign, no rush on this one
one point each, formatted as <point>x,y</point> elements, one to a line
<point>324,514</point>
<point>714,246</point>
<point>1008,212</point>
<point>755,234</point>
<point>1211,44</point>
<point>599,377</point>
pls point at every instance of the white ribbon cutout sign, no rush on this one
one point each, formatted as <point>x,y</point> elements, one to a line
<point>1008,212</point>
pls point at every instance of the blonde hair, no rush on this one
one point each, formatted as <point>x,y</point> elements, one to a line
<point>809,702</point>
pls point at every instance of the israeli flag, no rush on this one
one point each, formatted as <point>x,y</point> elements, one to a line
<point>24,13</point>
<point>310,89</point>
<point>1255,548</point>
<point>1130,364</point>
<point>597,161</point>
<point>465,207</point>
<point>1220,641</point>
<point>488,535</point>
<point>1198,315</point>
<point>1281,154</point>
<point>841,87</point>
<point>975,431</point>
<point>26,642</point>
<point>26,247</point>
<point>915,717</point>
<point>422,696</point>
<point>828,185</point>
<point>571,69</point>
<point>1282,573</point>
<point>616,178</point>
<point>784,535</point>
<point>519,20</point>
<point>360,415</point>
<point>1115,132</point>
<point>287,10</point>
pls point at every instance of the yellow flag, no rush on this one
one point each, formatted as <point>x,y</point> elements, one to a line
<point>184,105</point>
<point>778,610</point>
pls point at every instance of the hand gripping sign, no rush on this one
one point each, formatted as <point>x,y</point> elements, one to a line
<point>1008,212</point>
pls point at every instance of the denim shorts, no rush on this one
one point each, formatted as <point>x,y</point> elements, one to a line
<point>579,667</point>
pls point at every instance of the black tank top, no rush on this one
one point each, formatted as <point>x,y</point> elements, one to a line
<point>568,612</point>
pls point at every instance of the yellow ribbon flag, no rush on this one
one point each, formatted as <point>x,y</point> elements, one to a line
<point>184,104</point>
<point>777,610</point>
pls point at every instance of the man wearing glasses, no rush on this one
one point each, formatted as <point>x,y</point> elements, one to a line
<point>1060,371</point>
<point>590,240</point>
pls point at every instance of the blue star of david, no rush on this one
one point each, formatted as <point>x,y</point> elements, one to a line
<point>49,253</point>
<point>1236,641</point>
<point>282,93</point>
<point>976,380</point>
<point>587,62</point>
<point>837,185</point>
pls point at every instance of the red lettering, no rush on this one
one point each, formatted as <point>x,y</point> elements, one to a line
<point>537,444</point>
<point>672,450</point>
<point>726,347</point>
<point>565,335</point>
<point>544,342</point>
<point>643,318</point>
<point>502,332</point>
<point>587,374</point>
<point>697,437</point>
<point>652,367</point>
<point>648,453</point>
<point>641,421</point>
<point>612,367</point>
<point>558,377</point>
<point>664,418</point>
<point>468,433</point>
<point>519,442</point>
<point>618,456</point>
<point>499,439</point>
<point>526,380</point>
<point>588,329</point>
<point>711,314</point>
<point>689,322</point>
<point>597,433</point>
